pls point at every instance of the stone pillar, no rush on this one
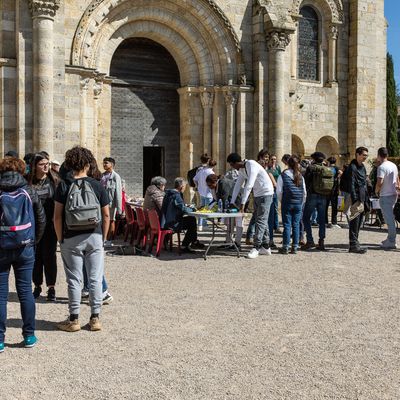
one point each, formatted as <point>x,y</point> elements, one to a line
<point>333,37</point>
<point>43,13</point>
<point>207,100</point>
<point>230,135</point>
<point>280,142</point>
<point>84,85</point>
<point>219,129</point>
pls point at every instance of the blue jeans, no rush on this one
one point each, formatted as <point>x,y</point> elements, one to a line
<point>291,217</point>
<point>204,201</point>
<point>314,201</point>
<point>274,208</point>
<point>387,204</point>
<point>22,261</point>
<point>262,206</point>
<point>86,281</point>
<point>272,217</point>
<point>251,229</point>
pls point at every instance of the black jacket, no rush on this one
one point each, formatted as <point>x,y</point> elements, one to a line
<point>10,181</point>
<point>358,182</point>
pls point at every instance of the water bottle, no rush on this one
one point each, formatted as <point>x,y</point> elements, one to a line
<point>220,205</point>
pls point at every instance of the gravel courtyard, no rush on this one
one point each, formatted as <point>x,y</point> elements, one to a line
<point>307,326</point>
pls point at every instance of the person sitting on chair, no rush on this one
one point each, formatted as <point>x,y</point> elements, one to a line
<point>173,216</point>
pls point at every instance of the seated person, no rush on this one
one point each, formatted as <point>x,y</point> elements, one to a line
<point>154,195</point>
<point>222,189</point>
<point>173,217</point>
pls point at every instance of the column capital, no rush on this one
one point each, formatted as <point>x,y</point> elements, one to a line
<point>277,40</point>
<point>207,98</point>
<point>231,97</point>
<point>44,8</point>
<point>333,32</point>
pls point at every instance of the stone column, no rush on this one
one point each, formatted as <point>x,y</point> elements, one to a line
<point>333,36</point>
<point>230,135</point>
<point>207,100</point>
<point>43,13</point>
<point>84,86</point>
<point>277,42</point>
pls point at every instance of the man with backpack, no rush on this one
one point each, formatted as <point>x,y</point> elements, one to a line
<point>319,181</point>
<point>22,223</point>
<point>81,221</point>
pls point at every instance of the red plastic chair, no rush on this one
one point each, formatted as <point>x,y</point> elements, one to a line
<point>141,237</point>
<point>131,224</point>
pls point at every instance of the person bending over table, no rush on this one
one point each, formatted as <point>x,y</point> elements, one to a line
<point>222,189</point>
<point>173,216</point>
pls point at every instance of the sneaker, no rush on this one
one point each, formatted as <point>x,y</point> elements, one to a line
<point>283,250</point>
<point>107,298</point>
<point>272,245</point>
<point>314,224</point>
<point>336,226</point>
<point>357,250</point>
<point>253,253</point>
<point>30,341</point>
<point>278,231</point>
<point>386,245</point>
<point>69,326</point>
<point>84,294</point>
<point>294,250</point>
<point>187,250</point>
<point>264,252</point>
<point>51,294</point>
<point>108,243</point>
<point>308,246</point>
<point>37,291</point>
<point>200,228</point>
<point>94,324</point>
<point>321,245</point>
<point>249,242</point>
<point>197,245</point>
<point>329,226</point>
<point>1,347</point>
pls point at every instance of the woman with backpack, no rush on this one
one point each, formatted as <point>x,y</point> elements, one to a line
<point>45,182</point>
<point>22,223</point>
<point>291,191</point>
<point>81,221</point>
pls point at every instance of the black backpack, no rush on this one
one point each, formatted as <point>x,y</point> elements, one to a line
<point>190,176</point>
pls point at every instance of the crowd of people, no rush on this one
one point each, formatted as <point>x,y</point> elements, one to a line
<point>44,202</point>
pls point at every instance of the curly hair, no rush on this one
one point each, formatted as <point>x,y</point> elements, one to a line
<point>78,158</point>
<point>12,164</point>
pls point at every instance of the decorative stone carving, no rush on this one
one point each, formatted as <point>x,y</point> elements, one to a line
<point>207,99</point>
<point>231,98</point>
<point>84,84</point>
<point>44,8</point>
<point>333,32</point>
<point>335,6</point>
<point>277,40</point>
<point>97,89</point>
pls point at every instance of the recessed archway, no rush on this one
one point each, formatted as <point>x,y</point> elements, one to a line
<point>297,146</point>
<point>145,112</point>
<point>328,145</point>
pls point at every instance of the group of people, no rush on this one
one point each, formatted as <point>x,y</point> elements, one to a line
<point>305,188</point>
<point>42,203</point>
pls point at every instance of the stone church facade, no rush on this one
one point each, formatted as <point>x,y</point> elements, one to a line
<point>156,83</point>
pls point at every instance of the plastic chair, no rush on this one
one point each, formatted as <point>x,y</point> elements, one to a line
<point>156,231</point>
<point>131,224</point>
<point>141,237</point>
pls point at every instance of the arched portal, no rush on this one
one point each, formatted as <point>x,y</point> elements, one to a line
<point>297,146</point>
<point>328,145</point>
<point>145,112</point>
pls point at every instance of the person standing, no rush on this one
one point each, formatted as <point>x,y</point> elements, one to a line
<point>22,223</point>
<point>111,181</point>
<point>202,188</point>
<point>386,188</point>
<point>274,169</point>
<point>291,191</point>
<point>254,177</point>
<point>357,184</point>
<point>332,199</point>
<point>81,222</point>
<point>45,182</point>
<point>319,183</point>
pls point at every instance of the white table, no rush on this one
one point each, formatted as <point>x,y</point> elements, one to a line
<point>212,216</point>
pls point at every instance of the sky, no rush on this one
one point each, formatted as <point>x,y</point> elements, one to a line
<point>392,14</point>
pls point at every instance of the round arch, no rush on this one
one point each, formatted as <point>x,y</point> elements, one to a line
<point>208,44</point>
<point>331,9</point>
<point>328,145</point>
<point>297,146</point>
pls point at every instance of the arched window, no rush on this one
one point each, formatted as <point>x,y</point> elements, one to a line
<point>308,50</point>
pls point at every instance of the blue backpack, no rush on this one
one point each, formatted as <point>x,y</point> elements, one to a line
<point>17,220</point>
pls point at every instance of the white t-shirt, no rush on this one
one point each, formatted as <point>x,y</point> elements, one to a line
<point>256,178</point>
<point>388,171</point>
<point>200,180</point>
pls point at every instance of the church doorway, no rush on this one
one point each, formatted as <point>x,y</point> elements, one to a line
<point>145,138</point>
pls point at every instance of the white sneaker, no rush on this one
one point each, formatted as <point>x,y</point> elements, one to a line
<point>253,253</point>
<point>200,228</point>
<point>265,252</point>
<point>336,226</point>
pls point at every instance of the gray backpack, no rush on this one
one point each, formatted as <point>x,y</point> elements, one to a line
<point>82,208</point>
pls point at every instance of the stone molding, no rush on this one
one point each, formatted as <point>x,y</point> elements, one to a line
<point>277,40</point>
<point>336,7</point>
<point>44,8</point>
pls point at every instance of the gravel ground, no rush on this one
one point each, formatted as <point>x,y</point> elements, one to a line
<point>307,326</point>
